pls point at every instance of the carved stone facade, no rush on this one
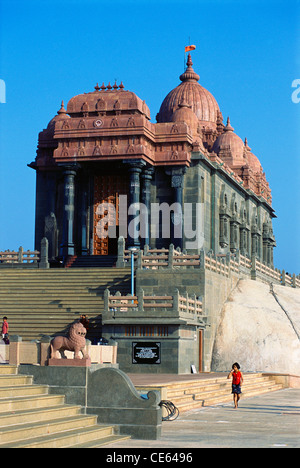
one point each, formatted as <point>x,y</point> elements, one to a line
<point>187,157</point>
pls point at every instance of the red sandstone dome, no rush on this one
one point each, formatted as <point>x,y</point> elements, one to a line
<point>253,160</point>
<point>61,115</point>
<point>107,99</point>
<point>230,147</point>
<point>185,114</point>
<point>201,101</point>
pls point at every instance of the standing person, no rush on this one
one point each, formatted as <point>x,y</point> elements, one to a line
<point>85,322</point>
<point>237,380</point>
<point>5,328</point>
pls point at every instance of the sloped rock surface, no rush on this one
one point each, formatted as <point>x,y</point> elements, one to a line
<point>258,331</point>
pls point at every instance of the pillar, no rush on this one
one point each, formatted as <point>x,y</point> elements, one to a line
<point>84,218</point>
<point>67,246</point>
<point>135,168</point>
<point>177,183</point>
<point>146,177</point>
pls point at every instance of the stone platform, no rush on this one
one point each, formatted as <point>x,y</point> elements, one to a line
<point>85,362</point>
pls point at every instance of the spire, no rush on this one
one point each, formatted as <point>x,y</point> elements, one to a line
<point>62,109</point>
<point>189,74</point>
<point>228,127</point>
<point>246,145</point>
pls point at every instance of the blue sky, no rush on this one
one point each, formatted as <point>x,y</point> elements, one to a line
<point>247,56</point>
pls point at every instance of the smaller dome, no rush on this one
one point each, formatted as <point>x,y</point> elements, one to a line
<point>229,146</point>
<point>253,160</point>
<point>185,114</point>
<point>61,115</point>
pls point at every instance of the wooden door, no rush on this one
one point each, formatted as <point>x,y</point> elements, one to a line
<point>107,189</point>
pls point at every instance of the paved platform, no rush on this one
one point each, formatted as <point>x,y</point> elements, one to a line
<point>271,420</point>
<point>164,379</point>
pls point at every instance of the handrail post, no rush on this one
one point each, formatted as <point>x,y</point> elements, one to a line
<point>121,247</point>
<point>140,298</point>
<point>44,253</point>
<point>176,303</point>
<point>106,301</point>
<point>20,255</point>
<point>171,256</point>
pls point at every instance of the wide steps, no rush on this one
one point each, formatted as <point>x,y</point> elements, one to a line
<point>192,395</point>
<point>20,403</point>
<point>39,414</point>
<point>45,302</point>
<point>30,417</point>
<point>93,261</point>
<point>11,434</point>
<point>8,370</point>
<point>93,436</point>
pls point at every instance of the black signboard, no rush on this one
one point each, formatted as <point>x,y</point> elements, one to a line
<point>146,352</point>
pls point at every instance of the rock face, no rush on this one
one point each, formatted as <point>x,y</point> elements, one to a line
<point>259,332</point>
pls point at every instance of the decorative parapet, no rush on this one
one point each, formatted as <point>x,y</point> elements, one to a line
<point>224,264</point>
<point>140,308</point>
<point>26,258</point>
<point>37,352</point>
<point>10,257</point>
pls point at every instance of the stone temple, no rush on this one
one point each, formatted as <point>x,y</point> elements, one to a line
<point>103,149</point>
<point>183,205</point>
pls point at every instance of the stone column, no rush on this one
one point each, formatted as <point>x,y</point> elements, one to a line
<point>145,199</point>
<point>177,183</point>
<point>135,168</point>
<point>67,246</point>
<point>84,226</point>
<point>234,236</point>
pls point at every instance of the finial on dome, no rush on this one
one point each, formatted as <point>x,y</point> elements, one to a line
<point>228,127</point>
<point>189,74</point>
<point>97,87</point>
<point>189,61</point>
<point>246,145</point>
<point>62,109</point>
<point>183,103</point>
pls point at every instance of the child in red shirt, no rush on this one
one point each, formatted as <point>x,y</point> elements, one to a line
<point>237,380</point>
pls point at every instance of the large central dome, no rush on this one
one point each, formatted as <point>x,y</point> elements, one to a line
<point>201,101</point>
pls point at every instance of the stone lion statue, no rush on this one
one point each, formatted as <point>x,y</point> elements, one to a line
<point>74,342</point>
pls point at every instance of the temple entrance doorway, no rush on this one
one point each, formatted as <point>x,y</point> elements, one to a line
<point>107,189</point>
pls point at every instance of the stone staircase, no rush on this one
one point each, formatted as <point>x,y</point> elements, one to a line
<point>45,302</point>
<point>218,391</point>
<point>189,395</point>
<point>30,417</point>
<point>92,261</point>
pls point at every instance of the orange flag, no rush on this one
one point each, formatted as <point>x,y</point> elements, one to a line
<point>190,47</point>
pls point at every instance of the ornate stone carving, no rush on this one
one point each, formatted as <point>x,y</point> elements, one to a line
<point>75,341</point>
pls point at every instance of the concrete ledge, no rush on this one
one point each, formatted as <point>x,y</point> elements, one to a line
<point>286,380</point>
<point>106,392</point>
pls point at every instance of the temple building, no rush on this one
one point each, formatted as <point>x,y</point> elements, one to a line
<point>101,159</point>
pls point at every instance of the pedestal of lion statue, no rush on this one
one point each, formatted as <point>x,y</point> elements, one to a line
<point>84,362</point>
